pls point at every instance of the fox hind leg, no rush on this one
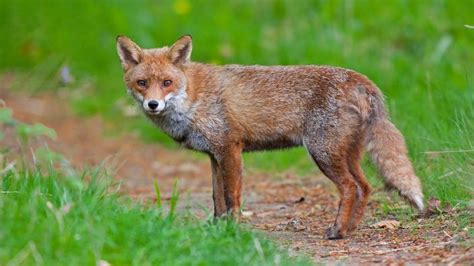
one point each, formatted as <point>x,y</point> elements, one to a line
<point>330,142</point>
<point>363,187</point>
<point>336,169</point>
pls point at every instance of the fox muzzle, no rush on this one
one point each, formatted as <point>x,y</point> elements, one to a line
<point>154,105</point>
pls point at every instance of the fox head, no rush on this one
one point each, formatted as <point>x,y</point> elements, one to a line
<point>154,77</point>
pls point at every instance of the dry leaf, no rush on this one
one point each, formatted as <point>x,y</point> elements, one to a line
<point>294,224</point>
<point>247,213</point>
<point>388,224</point>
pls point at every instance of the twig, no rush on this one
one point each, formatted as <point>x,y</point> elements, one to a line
<point>446,234</point>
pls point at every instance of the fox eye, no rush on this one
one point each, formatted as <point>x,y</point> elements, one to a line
<point>167,83</point>
<point>141,83</point>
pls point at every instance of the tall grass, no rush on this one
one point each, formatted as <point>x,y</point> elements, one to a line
<point>53,219</point>
<point>418,52</point>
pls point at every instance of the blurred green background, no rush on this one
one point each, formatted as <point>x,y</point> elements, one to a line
<point>420,53</point>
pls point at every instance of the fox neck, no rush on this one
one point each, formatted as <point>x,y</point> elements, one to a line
<point>201,79</point>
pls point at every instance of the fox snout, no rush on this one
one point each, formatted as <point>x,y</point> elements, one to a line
<point>154,105</point>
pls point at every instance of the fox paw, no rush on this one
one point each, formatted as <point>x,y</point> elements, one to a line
<point>220,215</point>
<point>334,232</point>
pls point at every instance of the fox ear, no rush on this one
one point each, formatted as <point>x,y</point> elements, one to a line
<point>129,52</point>
<point>180,52</point>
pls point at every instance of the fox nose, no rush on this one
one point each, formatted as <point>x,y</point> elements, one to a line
<point>153,104</point>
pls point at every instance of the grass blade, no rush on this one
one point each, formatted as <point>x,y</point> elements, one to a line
<point>174,199</point>
<point>158,195</point>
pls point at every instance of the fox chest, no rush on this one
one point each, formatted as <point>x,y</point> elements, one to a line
<point>183,131</point>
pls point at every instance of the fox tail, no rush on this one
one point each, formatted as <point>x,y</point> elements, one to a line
<point>386,146</point>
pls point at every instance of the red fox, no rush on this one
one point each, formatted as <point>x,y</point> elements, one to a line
<point>226,110</point>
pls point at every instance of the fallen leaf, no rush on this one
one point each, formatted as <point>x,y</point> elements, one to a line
<point>388,224</point>
<point>247,213</point>
<point>294,224</point>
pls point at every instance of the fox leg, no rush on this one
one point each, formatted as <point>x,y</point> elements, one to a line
<point>230,166</point>
<point>340,175</point>
<point>217,189</point>
<point>329,145</point>
<point>363,187</point>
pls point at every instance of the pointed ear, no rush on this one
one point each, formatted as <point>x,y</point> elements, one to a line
<point>129,52</point>
<point>180,52</point>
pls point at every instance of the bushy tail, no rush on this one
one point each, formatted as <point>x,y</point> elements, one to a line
<point>386,146</point>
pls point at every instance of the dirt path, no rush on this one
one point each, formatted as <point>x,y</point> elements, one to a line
<point>294,210</point>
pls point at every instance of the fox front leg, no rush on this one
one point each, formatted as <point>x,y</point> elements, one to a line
<point>230,166</point>
<point>217,189</point>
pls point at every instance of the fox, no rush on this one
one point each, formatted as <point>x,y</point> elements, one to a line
<point>224,110</point>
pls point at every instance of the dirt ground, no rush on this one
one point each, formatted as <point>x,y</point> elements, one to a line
<point>292,209</point>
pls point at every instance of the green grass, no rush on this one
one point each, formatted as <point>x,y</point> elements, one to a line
<point>51,218</point>
<point>418,52</point>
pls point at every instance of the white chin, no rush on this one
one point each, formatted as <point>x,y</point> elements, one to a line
<point>152,112</point>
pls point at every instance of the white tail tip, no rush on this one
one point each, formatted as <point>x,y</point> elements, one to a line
<point>418,200</point>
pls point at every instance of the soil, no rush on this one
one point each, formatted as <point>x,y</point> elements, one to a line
<point>294,210</point>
